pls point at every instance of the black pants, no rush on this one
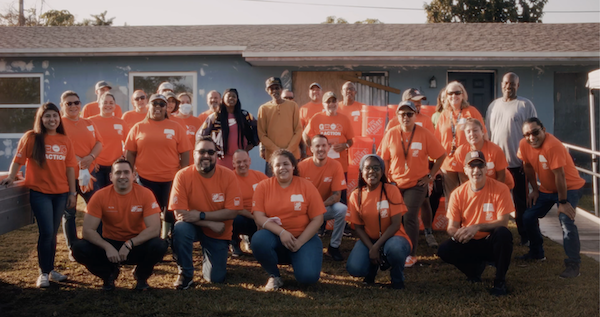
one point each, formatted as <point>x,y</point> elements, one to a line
<point>470,257</point>
<point>103,176</point>
<point>436,194</point>
<point>519,194</point>
<point>161,191</point>
<point>145,256</point>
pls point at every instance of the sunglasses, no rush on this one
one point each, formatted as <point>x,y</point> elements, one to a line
<point>535,132</point>
<point>450,93</point>
<point>477,164</point>
<point>288,98</point>
<point>71,103</point>
<point>406,114</point>
<point>159,104</point>
<point>209,152</point>
<point>374,168</point>
<point>139,98</point>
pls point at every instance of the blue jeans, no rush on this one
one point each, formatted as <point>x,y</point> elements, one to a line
<point>570,234</point>
<point>337,212</point>
<point>215,251</point>
<point>396,249</point>
<point>307,261</point>
<point>242,225</point>
<point>47,209</point>
<point>68,221</point>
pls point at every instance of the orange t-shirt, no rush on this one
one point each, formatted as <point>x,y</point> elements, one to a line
<point>308,111</point>
<point>422,120</point>
<point>248,185</point>
<point>551,155</point>
<point>52,178</point>
<point>295,205</point>
<point>191,125</point>
<point>424,145</point>
<point>114,133</point>
<point>443,131</point>
<point>486,205</point>
<point>494,157</point>
<point>191,191</point>
<point>92,109</point>
<point>337,129</point>
<point>367,214</point>
<point>158,145</point>
<point>132,117</point>
<point>122,215</point>
<point>84,134</point>
<point>204,115</point>
<point>327,178</point>
<point>353,112</point>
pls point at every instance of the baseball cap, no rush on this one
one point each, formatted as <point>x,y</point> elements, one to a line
<point>102,84</point>
<point>474,155</point>
<point>328,95</point>
<point>158,97</point>
<point>413,93</point>
<point>273,81</point>
<point>407,103</point>
<point>166,85</point>
<point>169,94</point>
<point>314,84</point>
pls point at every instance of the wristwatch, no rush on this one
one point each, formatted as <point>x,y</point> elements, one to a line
<point>429,175</point>
<point>562,202</point>
<point>73,194</point>
<point>202,215</point>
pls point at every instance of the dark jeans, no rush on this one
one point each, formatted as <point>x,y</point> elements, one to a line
<point>161,191</point>
<point>268,169</point>
<point>47,209</point>
<point>519,194</point>
<point>242,225</point>
<point>103,176</point>
<point>145,256</point>
<point>413,199</point>
<point>68,221</point>
<point>470,257</point>
<point>436,194</point>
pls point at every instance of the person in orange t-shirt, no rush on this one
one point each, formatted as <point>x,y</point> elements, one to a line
<point>114,133</point>
<point>478,213</point>
<point>139,100</point>
<point>206,198</point>
<point>158,147</point>
<point>545,158</point>
<point>494,156</point>
<point>309,109</point>
<point>192,124</point>
<point>328,177</point>
<point>376,209</point>
<point>91,109</point>
<point>450,131</point>
<point>289,210</point>
<point>406,149</point>
<point>50,161</point>
<point>350,107</point>
<point>423,120</point>
<point>87,144</point>
<point>130,220</point>
<point>248,179</point>
<point>173,108</point>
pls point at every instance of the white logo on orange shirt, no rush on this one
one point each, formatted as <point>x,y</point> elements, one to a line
<point>91,128</point>
<point>111,209</point>
<point>155,204</point>
<point>419,123</point>
<point>544,161</point>
<point>119,128</point>
<point>253,203</point>
<point>170,133</point>
<point>137,208</point>
<point>355,115</point>
<point>327,179</point>
<point>383,207</point>
<point>490,167</point>
<point>488,209</point>
<point>297,200</point>
<point>56,152</point>
<point>343,182</point>
<point>236,201</point>
<point>254,186</point>
<point>191,130</point>
<point>218,198</point>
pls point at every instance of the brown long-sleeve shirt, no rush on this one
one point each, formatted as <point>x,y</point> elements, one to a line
<point>279,127</point>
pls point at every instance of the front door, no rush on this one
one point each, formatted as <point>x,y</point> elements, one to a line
<point>480,87</point>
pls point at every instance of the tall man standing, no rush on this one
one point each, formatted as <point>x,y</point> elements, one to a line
<point>308,110</point>
<point>91,109</point>
<point>545,157</point>
<point>350,107</point>
<point>504,119</point>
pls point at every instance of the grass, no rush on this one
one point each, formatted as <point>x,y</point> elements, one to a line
<point>433,288</point>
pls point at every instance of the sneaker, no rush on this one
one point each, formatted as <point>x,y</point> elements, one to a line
<point>42,281</point>
<point>410,261</point>
<point>274,283</point>
<point>321,232</point>
<point>236,251</point>
<point>530,257</point>
<point>431,242</point>
<point>571,271</point>
<point>57,277</point>
<point>109,283</point>
<point>347,231</point>
<point>335,253</point>
<point>398,285</point>
<point>245,243</point>
<point>499,289</point>
<point>142,285</point>
<point>183,282</point>
<point>71,257</point>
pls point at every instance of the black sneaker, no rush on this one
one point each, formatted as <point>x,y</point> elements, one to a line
<point>335,253</point>
<point>571,271</point>
<point>183,282</point>
<point>499,289</point>
<point>398,285</point>
<point>109,282</point>
<point>531,258</point>
<point>142,285</point>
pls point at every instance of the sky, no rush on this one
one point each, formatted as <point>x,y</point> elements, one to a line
<point>211,12</point>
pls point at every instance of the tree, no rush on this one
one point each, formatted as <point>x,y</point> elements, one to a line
<point>57,18</point>
<point>473,11</point>
<point>332,20</point>
<point>99,20</point>
<point>369,21</point>
<point>11,17</point>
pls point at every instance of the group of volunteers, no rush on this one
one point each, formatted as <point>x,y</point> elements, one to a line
<point>157,176</point>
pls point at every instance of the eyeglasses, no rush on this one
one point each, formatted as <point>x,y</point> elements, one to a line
<point>450,93</point>
<point>477,164</point>
<point>139,98</point>
<point>71,103</point>
<point>288,98</point>
<point>159,104</point>
<point>535,132</point>
<point>406,114</point>
<point>209,152</point>
<point>374,168</point>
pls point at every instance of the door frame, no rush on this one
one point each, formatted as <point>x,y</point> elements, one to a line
<point>492,71</point>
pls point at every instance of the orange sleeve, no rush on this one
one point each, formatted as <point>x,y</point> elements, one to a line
<point>505,202</point>
<point>130,143</point>
<point>150,204</point>
<point>258,199</point>
<point>454,213</point>
<point>522,151</point>
<point>339,181</point>
<point>25,148</point>
<point>353,209</point>
<point>94,206</point>
<point>178,198</point>
<point>556,158</point>
<point>316,206</point>
<point>434,147</point>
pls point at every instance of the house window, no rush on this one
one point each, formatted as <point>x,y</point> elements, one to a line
<point>149,82</point>
<point>20,97</point>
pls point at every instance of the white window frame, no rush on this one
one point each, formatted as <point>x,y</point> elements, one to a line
<point>162,74</point>
<point>4,106</point>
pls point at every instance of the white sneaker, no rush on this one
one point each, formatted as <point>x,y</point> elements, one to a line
<point>410,261</point>
<point>42,281</point>
<point>273,284</point>
<point>57,277</point>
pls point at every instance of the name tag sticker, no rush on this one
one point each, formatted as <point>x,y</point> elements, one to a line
<point>90,127</point>
<point>419,123</point>
<point>488,207</point>
<point>416,146</point>
<point>297,198</point>
<point>462,121</point>
<point>491,165</point>
<point>383,204</point>
<point>355,113</point>
<point>118,127</point>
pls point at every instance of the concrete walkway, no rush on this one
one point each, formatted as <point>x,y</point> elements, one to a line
<point>588,226</point>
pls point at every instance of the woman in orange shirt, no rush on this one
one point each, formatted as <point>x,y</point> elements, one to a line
<point>290,211</point>
<point>50,164</point>
<point>173,108</point>
<point>376,208</point>
<point>192,124</point>
<point>114,132</point>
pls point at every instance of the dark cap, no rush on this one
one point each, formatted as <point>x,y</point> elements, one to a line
<point>413,94</point>
<point>407,103</point>
<point>102,84</point>
<point>474,155</point>
<point>328,95</point>
<point>273,81</point>
<point>158,97</point>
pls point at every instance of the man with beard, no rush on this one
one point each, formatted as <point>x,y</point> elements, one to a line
<point>130,220</point>
<point>328,176</point>
<point>206,198</point>
<point>213,100</point>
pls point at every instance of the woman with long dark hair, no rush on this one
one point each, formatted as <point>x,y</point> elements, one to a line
<point>231,128</point>
<point>50,162</point>
<point>376,208</point>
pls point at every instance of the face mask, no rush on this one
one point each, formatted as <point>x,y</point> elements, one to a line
<point>185,108</point>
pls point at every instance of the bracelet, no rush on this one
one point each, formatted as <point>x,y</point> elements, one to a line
<point>93,156</point>
<point>131,241</point>
<point>127,246</point>
<point>263,226</point>
<point>282,230</point>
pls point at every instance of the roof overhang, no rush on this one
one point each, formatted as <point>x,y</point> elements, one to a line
<point>123,51</point>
